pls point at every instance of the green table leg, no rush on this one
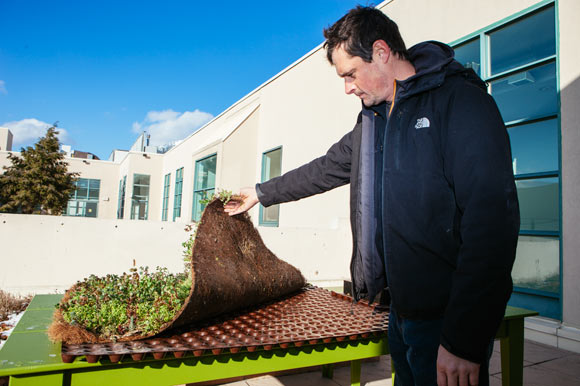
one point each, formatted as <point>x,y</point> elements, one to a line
<point>355,372</point>
<point>53,379</point>
<point>512,353</point>
<point>328,371</point>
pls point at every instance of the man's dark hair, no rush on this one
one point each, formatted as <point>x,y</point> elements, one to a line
<point>359,29</point>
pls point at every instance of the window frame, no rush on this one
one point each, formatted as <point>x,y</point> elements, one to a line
<point>121,199</point>
<point>544,300</point>
<point>74,198</point>
<point>133,197</point>
<point>165,203</point>
<point>178,194</point>
<point>204,190</point>
<point>264,178</point>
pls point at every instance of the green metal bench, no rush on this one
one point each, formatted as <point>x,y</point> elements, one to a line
<point>29,358</point>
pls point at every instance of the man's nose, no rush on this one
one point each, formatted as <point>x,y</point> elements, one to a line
<point>349,87</point>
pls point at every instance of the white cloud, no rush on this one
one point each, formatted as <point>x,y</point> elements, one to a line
<point>168,126</point>
<point>28,131</point>
<point>3,87</point>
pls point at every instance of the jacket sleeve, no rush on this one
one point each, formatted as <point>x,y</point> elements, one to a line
<point>320,175</point>
<point>477,161</point>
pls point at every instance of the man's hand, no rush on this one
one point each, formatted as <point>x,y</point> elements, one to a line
<point>244,201</point>
<point>455,371</point>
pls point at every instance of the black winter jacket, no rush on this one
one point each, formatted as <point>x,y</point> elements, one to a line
<point>450,210</point>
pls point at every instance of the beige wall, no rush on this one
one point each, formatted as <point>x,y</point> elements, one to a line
<point>239,158</point>
<point>569,11</point>
<point>144,163</point>
<point>108,173</point>
<point>5,139</point>
<point>448,20</point>
<point>43,254</point>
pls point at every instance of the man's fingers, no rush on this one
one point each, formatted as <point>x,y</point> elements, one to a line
<point>464,378</point>
<point>242,202</point>
<point>474,378</point>
<point>441,378</point>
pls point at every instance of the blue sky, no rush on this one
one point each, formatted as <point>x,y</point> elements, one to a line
<point>106,70</point>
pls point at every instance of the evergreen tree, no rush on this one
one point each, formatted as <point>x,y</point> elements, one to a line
<point>37,181</point>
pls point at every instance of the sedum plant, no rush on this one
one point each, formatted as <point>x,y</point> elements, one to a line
<point>137,303</point>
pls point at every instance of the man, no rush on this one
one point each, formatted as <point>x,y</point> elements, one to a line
<point>434,210</point>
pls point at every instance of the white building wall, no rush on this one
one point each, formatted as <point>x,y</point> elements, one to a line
<point>569,12</point>
<point>5,139</point>
<point>105,171</point>
<point>239,158</point>
<point>140,163</point>
<point>448,20</point>
<point>44,254</point>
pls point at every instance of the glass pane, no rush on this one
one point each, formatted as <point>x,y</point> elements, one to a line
<point>82,183</point>
<point>527,94</point>
<point>534,147</point>
<point>94,184</point>
<point>71,209</point>
<point>205,173</point>
<point>524,41</point>
<point>82,191</point>
<point>468,55</point>
<point>271,213</point>
<point>91,209</point>
<point>198,207</point>
<point>539,204</point>
<point>94,194</point>
<point>537,264</point>
<point>177,205</point>
<point>272,164</point>
<point>141,179</point>
<point>141,191</point>
<point>77,208</point>
<point>139,210</point>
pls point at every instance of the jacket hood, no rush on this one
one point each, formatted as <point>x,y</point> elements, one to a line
<point>433,62</point>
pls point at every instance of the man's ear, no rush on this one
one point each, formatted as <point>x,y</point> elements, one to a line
<point>381,51</point>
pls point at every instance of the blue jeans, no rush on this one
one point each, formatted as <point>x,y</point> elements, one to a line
<point>414,345</point>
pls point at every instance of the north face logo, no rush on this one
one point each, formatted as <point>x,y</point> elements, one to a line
<point>422,123</point>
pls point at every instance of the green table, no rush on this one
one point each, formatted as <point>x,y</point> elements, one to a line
<point>511,338</point>
<point>29,358</point>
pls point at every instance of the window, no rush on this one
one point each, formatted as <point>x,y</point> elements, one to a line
<point>468,54</point>
<point>84,201</point>
<point>522,79</point>
<point>204,184</point>
<point>271,167</point>
<point>121,203</point>
<point>535,37</point>
<point>164,209</point>
<point>177,194</point>
<point>140,197</point>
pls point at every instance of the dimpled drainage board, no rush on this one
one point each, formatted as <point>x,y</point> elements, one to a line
<point>312,316</point>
